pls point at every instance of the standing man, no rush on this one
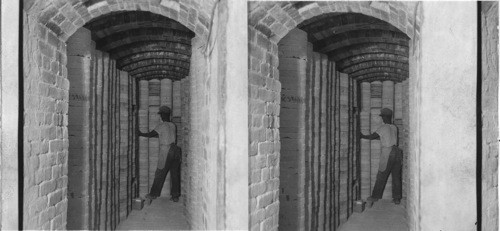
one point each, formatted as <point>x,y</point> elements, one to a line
<point>169,157</point>
<point>391,158</point>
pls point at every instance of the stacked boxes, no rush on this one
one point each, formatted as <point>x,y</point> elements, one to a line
<point>111,143</point>
<point>317,135</point>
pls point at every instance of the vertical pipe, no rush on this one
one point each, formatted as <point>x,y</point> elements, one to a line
<point>185,128</point>
<point>337,149</point>
<point>376,121</point>
<point>105,143</point>
<point>143,153</point>
<point>113,141</point>
<point>130,145</point>
<point>309,201</point>
<point>124,145</point>
<point>117,145</point>
<point>365,144</point>
<point>322,136</point>
<point>357,100</point>
<point>154,119</point>
<point>135,142</point>
<point>327,163</point>
<point>92,138</point>
<point>343,129</point>
<point>351,154</point>
<point>331,142</point>
<point>99,139</point>
<point>316,140</point>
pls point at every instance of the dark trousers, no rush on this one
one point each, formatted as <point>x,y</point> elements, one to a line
<point>393,166</point>
<point>174,166</point>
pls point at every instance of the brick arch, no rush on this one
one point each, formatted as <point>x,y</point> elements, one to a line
<point>65,17</point>
<point>275,21</point>
<point>395,79</point>
<point>150,46</point>
<point>364,66</point>
<point>139,57</point>
<point>370,48</point>
<point>145,75</point>
<point>150,67</point>
<point>115,42</point>
<point>380,71</point>
<point>355,59</point>
<point>156,61</point>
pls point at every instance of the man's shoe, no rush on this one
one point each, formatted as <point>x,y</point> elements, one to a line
<point>174,199</point>
<point>150,197</point>
<point>396,201</point>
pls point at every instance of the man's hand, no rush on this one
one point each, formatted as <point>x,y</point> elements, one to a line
<point>372,136</point>
<point>149,134</point>
<point>361,135</point>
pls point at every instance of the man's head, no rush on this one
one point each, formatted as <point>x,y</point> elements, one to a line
<point>386,115</point>
<point>164,112</point>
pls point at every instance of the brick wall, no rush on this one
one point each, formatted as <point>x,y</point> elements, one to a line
<point>264,99</point>
<point>47,25</point>
<point>489,104</point>
<point>213,182</point>
<point>47,145</point>
<point>45,127</point>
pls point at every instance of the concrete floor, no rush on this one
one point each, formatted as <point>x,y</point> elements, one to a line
<point>162,214</point>
<point>383,216</point>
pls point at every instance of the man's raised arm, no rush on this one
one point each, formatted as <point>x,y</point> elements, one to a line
<point>149,134</point>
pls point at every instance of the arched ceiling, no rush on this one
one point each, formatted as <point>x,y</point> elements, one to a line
<point>146,45</point>
<point>366,48</point>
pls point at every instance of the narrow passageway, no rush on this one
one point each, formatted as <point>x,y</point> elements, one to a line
<point>161,214</point>
<point>117,87</point>
<point>383,216</point>
<point>337,71</point>
<point>97,74</point>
